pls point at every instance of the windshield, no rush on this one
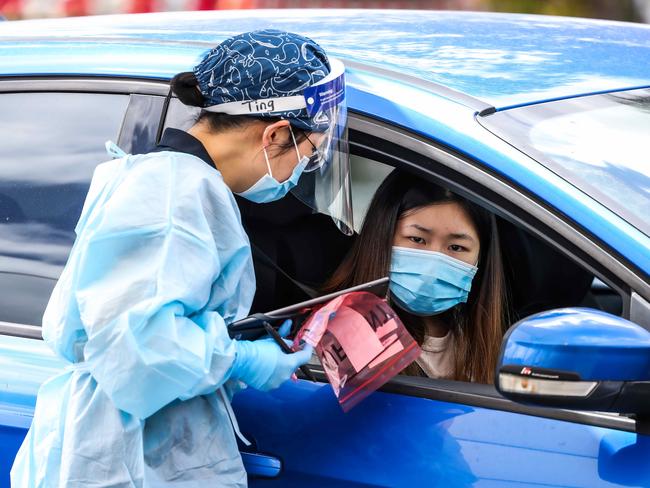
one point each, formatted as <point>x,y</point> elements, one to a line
<point>599,143</point>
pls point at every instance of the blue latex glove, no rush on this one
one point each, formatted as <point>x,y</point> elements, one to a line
<point>263,365</point>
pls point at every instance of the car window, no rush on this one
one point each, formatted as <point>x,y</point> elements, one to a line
<point>366,176</point>
<point>180,116</point>
<point>598,143</point>
<point>51,145</point>
<point>140,126</point>
<point>538,276</point>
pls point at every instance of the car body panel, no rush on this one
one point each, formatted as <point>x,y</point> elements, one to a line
<point>379,443</point>
<point>502,59</point>
<point>319,445</point>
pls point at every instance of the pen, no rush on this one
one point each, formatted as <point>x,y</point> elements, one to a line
<point>283,345</point>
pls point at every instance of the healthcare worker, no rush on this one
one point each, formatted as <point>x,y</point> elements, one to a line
<point>161,265</point>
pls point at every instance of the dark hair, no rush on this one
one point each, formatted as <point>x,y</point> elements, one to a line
<point>477,325</point>
<point>185,86</point>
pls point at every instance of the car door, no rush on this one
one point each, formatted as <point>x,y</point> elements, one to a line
<point>53,137</point>
<point>423,432</point>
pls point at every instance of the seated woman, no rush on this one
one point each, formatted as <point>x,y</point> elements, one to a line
<point>447,282</point>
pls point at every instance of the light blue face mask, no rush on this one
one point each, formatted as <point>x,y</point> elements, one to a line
<point>268,189</point>
<point>428,282</point>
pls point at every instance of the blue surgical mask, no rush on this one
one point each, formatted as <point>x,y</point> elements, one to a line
<point>268,189</point>
<point>428,282</point>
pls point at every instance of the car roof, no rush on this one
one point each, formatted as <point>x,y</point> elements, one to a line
<point>500,59</point>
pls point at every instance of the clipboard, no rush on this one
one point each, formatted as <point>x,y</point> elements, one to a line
<point>252,327</point>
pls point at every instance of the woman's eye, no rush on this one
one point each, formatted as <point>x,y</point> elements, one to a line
<point>417,240</point>
<point>456,248</point>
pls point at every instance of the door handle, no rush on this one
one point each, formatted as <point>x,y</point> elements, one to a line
<point>261,465</point>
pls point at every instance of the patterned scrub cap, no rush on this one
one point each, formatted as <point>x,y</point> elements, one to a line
<point>263,64</point>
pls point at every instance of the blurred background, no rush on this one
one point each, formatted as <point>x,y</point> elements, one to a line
<point>627,10</point>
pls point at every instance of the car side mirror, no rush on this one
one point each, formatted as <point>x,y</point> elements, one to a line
<point>577,358</point>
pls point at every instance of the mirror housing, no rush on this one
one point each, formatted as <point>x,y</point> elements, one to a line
<point>577,358</point>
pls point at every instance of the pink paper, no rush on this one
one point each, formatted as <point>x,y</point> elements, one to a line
<point>356,337</point>
<point>391,351</point>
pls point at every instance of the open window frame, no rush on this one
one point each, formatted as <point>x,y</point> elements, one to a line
<point>396,147</point>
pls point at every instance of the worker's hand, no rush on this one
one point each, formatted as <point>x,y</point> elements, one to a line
<point>263,365</point>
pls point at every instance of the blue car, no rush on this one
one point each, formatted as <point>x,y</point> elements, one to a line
<point>544,121</point>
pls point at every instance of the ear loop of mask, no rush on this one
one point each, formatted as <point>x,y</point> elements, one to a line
<point>266,156</point>
<point>295,144</point>
<point>268,164</point>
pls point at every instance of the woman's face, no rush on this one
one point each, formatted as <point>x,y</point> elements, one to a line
<point>441,227</point>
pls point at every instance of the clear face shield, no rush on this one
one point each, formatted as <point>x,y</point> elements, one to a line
<point>325,183</point>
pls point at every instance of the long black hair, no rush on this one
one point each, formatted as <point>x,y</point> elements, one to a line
<point>477,325</point>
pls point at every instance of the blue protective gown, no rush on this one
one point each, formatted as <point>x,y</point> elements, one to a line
<point>161,263</point>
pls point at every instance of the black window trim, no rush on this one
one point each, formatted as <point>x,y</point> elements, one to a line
<point>486,396</point>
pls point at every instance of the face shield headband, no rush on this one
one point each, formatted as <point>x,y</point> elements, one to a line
<point>315,99</point>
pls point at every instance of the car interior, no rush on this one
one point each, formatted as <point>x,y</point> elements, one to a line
<point>308,247</point>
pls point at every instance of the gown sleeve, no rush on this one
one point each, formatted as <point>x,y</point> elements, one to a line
<point>149,261</point>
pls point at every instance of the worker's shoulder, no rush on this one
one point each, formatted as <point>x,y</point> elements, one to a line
<point>188,181</point>
<point>186,172</point>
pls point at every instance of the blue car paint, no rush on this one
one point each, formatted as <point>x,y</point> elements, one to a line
<point>593,344</point>
<point>393,440</point>
<point>302,424</point>
<point>502,59</point>
<point>24,365</point>
<point>387,440</point>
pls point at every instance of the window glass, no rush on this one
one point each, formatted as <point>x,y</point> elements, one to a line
<point>51,145</point>
<point>598,143</point>
<point>140,127</point>
<point>366,175</point>
<point>181,116</point>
